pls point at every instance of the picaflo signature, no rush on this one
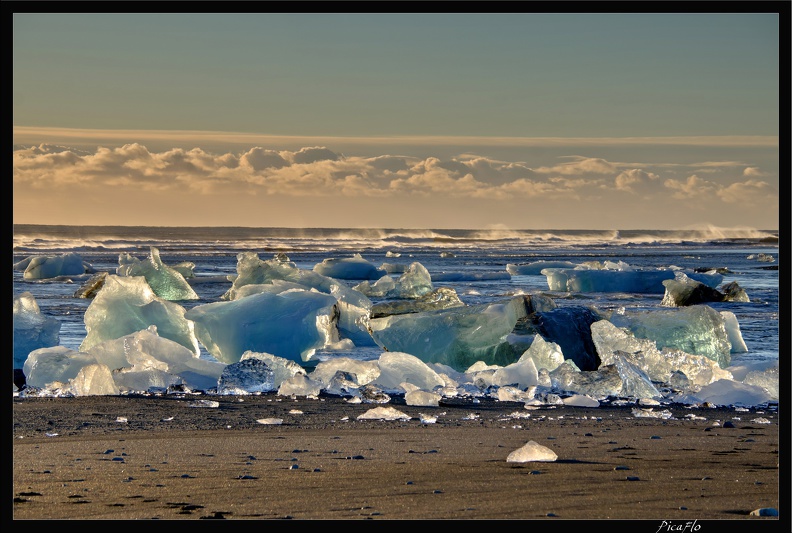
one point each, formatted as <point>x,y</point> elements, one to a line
<point>668,526</point>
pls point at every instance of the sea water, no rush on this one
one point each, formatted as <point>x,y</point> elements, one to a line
<point>750,257</point>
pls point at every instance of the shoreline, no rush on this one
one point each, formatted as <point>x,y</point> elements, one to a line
<point>140,457</point>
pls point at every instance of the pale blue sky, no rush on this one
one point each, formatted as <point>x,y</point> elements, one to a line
<point>552,88</point>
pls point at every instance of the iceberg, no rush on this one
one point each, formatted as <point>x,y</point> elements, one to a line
<point>32,329</point>
<point>457,337</point>
<point>353,306</point>
<point>351,268</point>
<point>166,282</point>
<point>470,276</point>
<point>128,304</point>
<point>53,266</point>
<point>57,363</point>
<point>619,278</point>
<point>535,268</point>
<point>292,324</point>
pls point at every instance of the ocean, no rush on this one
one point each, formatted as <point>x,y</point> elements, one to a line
<point>473,262</point>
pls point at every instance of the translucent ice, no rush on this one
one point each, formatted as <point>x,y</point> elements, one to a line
<point>143,350</point>
<point>659,366</point>
<point>94,380</point>
<point>364,371</point>
<point>457,337</point>
<point>397,367</point>
<point>32,329</point>
<point>354,267</point>
<point>414,282</point>
<point>440,298</point>
<point>56,363</point>
<point>128,304</point>
<point>697,329</point>
<point>292,324</point>
<point>246,376</point>
<point>166,282</point>
<point>300,385</point>
<point>544,354</point>
<point>521,374</point>
<point>384,413</point>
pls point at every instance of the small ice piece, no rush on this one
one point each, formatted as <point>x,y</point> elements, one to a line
<point>581,400</point>
<point>384,413</point>
<point>765,511</point>
<point>270,421</point>
<point>532,452</point>
<point>760,420</point>
<point>651,413</point>
<point>522,374</point>
<point>544,354</point>
<point>427,419</point>
<point>440,298</point>
<point>203,403</point>
<point>364,371</point>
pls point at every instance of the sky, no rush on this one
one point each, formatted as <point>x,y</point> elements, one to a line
<point>398,120</point>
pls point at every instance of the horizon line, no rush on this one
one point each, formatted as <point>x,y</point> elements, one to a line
<point>85,134</point>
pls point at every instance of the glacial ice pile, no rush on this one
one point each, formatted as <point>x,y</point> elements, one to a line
<point>292,324</point>
<point>53,266</point>
<point>619,277</point>
<point>283,329</point>
<point>697,329</point>
<point>353,306</point>
<point>352,268</point>
<point>139,362</point>
<point>32,329</point>
<point>128,304</point>
<point>166,282</point>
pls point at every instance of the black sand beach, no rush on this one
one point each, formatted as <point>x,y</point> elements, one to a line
<point>138,457</point>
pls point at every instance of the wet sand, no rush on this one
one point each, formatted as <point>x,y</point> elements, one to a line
<point>138,457</point>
